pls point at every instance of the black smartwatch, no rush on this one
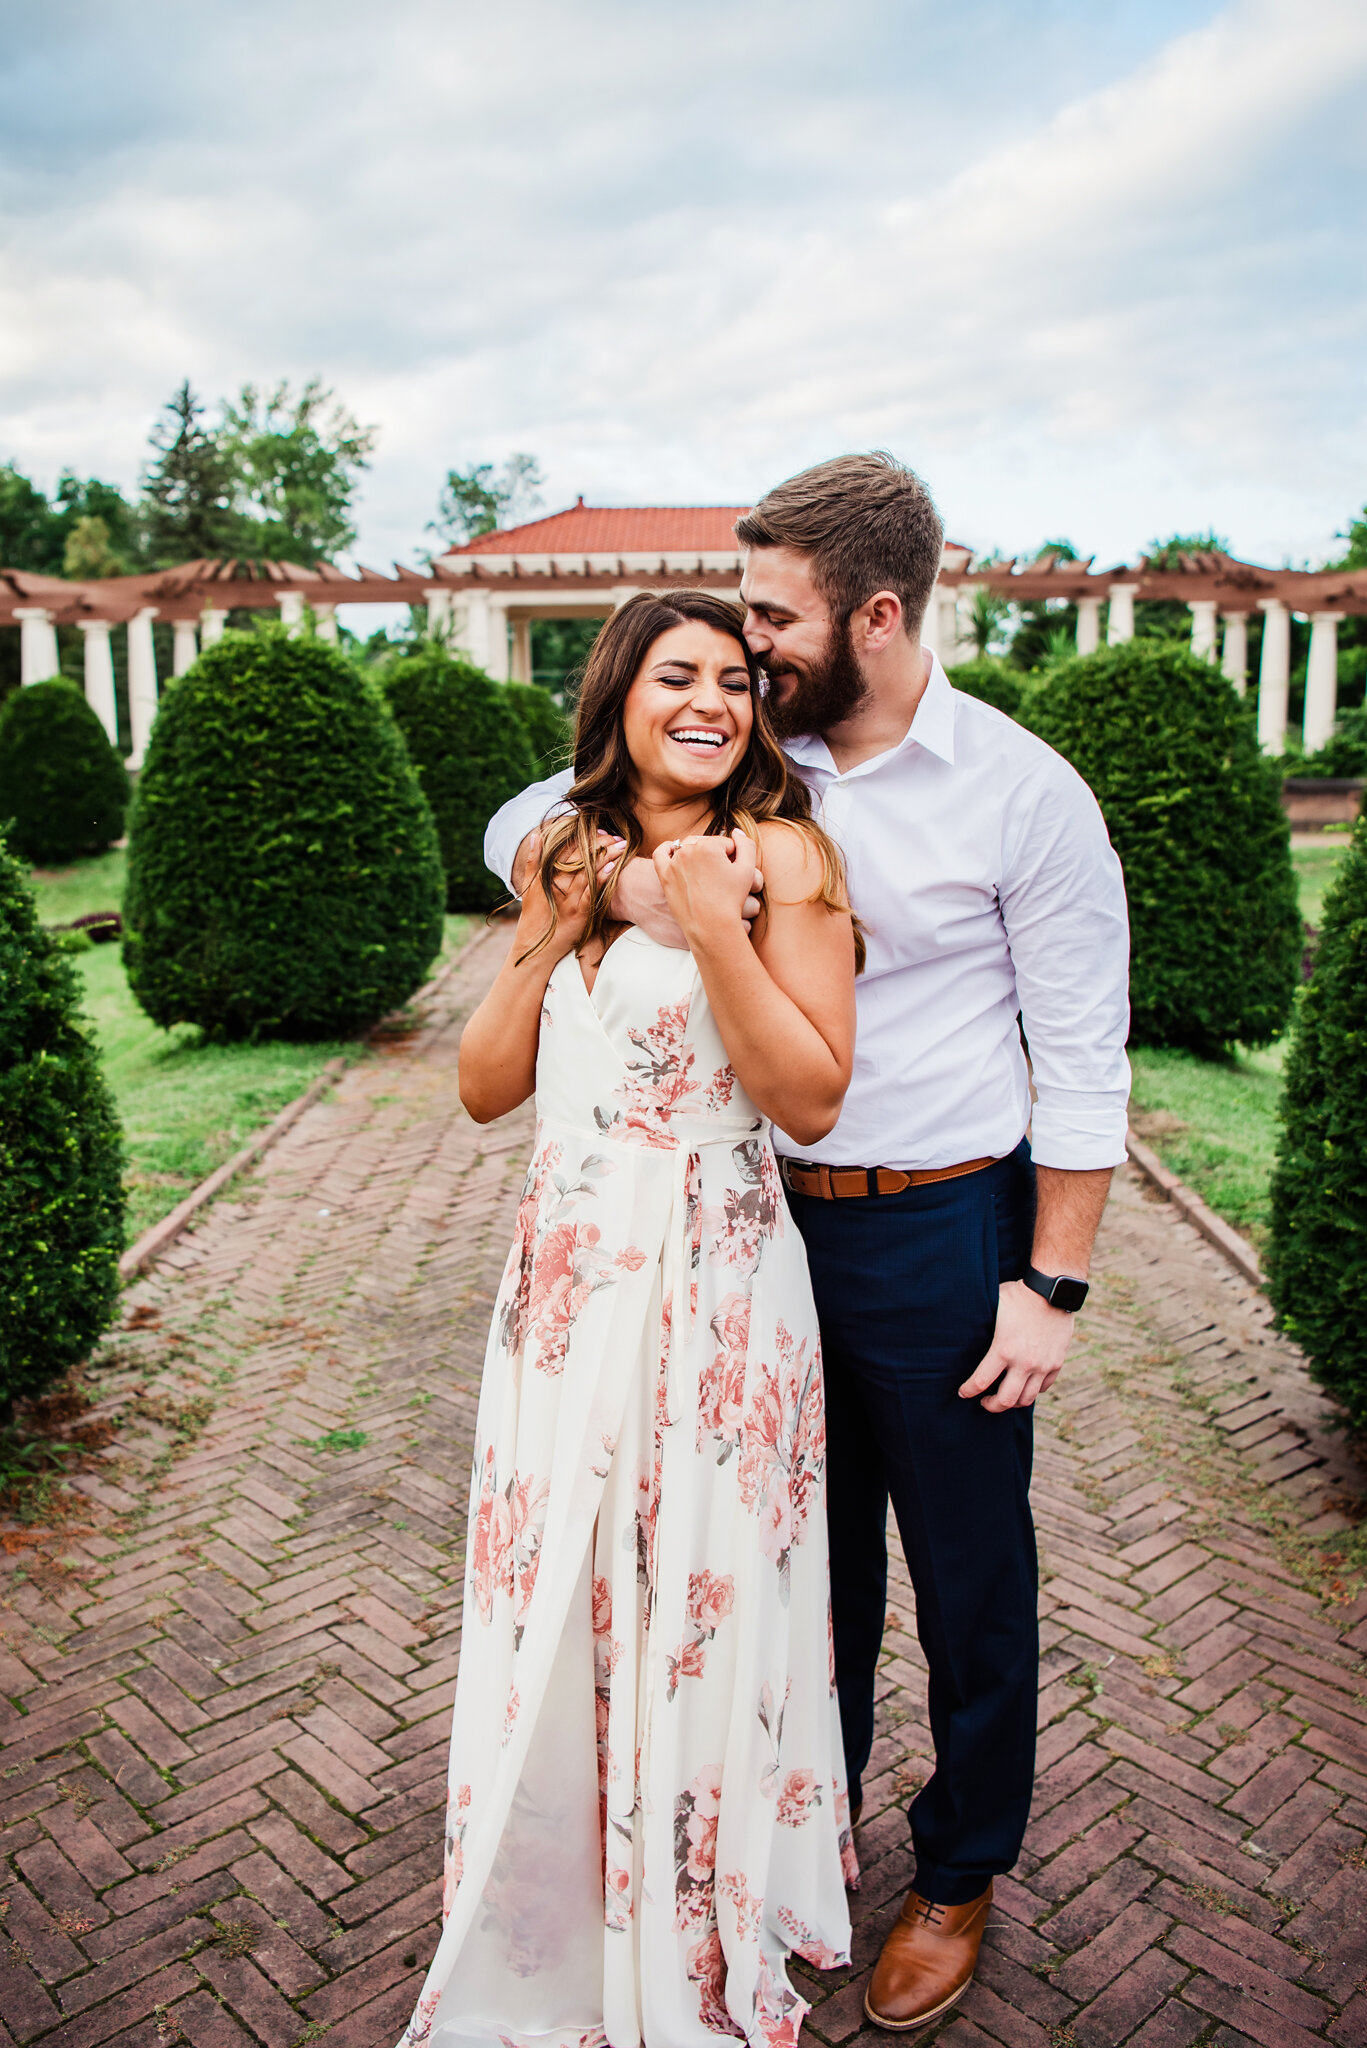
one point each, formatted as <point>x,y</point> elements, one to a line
<point>1060,1291</point>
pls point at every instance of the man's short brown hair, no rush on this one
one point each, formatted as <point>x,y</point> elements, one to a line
<point>867,522</point>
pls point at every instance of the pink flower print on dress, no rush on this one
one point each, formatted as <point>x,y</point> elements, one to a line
<point>658,1085</point>
<point>453,1859</point>
<point>720,1089</point>
<point>491,1556</point>
<point>808,1945</point>
<point>695,1847</point>
<point>510,1713</point>
<point>748,1910</point>
<point>721,1384</point>
<point>710,1600</point>
<point>783,1448</point>
<point>748,1215</point>
<point>617,1903</point>
<point>419,2028</point>
<point>706,1966</point>
<point>779,2012</point>
<point>797,1795</point>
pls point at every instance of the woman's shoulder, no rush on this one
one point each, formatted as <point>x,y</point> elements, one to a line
<point>787,854</point>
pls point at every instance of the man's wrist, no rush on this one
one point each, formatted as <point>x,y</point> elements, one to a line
<point>1064,1292</point>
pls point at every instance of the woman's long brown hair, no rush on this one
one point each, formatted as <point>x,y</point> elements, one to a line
<point>760,787</point>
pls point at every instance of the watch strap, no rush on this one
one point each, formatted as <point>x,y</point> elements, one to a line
<point>1060,1290</point>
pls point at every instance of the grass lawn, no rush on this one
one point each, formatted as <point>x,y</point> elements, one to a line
<point>1315,868</point>
<point>1215,1124</point>
<point>186,1106</point>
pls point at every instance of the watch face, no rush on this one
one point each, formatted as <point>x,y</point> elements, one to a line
<point>1069,1294</point>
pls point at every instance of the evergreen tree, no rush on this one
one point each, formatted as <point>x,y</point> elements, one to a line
<point>190,488</point>
<point>63,788</point>
<point>472,753</point>
<point>61,1192</point>
<point>284,878</point>
<point>29,538</point>
<point>1194,812</point>
<point>1317,1259</point>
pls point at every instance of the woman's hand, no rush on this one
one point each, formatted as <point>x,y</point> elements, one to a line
<point>707,881</point>
<point>570,888</point>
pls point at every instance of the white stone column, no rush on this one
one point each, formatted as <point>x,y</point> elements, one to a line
<point>184,646</point>
<point>1234,655</point>
<point>1088,624</point>
<point>1321,680</point>
<point>38,661</point>
<point>1120,614</point>
<point>142,681</point>
<point>496,665</point>
<point>325,623</point>
<point>291,603</point>
<point>946,640</point>
<point>99,675</point>
<point>474,641</point>
<point>439,614</point>
<point>212,626</point>
<point>1203,614</point>
<point>522,650</point>
<point>1274,675</point>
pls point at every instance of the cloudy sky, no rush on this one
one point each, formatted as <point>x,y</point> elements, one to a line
<point>1096,267</point>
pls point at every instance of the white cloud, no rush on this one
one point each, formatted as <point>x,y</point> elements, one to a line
<point>1096,268</point>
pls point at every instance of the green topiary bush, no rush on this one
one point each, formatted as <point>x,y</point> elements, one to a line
<point>284,878</point>
<point>1194,813</point>
<point>471,752</point>
<point>1317,1258</point>
<point>61,1189</point>
<point>63,788</point>
<point>550,734</point>
<point>1343,753</point>
<point>993,681</point>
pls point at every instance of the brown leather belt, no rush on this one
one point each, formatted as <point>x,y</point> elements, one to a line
<point>839,1183</point>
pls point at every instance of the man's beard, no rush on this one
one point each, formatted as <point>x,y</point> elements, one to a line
<point>824,695</point>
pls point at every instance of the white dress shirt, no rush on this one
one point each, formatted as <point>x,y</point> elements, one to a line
<point>979,863</point>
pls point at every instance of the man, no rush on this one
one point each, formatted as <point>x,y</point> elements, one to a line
<point>948,1252</point>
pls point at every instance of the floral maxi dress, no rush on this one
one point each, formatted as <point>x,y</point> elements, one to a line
<point>647,1809</point>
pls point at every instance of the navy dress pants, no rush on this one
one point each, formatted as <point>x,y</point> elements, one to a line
<point>906,1291</point>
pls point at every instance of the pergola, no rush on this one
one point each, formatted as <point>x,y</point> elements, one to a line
<point>584,562</point>
<point>1217,590</point>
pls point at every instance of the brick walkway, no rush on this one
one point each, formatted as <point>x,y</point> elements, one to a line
<point>223,1757</point>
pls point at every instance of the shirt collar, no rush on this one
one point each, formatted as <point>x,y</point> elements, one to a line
<point>932,727</point>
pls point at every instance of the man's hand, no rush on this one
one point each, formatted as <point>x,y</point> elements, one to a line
<point>1029,1345</point>
<point>527,859</point>
<point>639,899</point>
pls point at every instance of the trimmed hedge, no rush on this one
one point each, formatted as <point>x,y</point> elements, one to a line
<point>550,734</point>
<point>471,752</point>
<point>1343,753</point>
<point>1317,1258</point>
<point>990,680</point>
<point>1194,813</point>
<point>63,787</point>
<point>284,878</point>
<point>61,1186</point>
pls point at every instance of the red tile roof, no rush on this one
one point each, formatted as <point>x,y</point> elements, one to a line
<point>612,529</point>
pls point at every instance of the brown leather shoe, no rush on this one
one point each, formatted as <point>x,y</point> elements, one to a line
<point>927,1962</point>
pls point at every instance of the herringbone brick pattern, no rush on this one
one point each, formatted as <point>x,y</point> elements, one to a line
<point>228,1689</point>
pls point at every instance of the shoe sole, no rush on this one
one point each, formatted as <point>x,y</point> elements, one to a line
<point>922,2019</point>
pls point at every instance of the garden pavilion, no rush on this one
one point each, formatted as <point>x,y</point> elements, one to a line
<point>584,562</point>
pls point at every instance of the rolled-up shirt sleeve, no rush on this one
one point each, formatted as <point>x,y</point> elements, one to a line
<point>1063,905</point>
<point>522,814</point>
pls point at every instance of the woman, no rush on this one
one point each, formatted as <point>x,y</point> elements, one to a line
<point>647,1804</point>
